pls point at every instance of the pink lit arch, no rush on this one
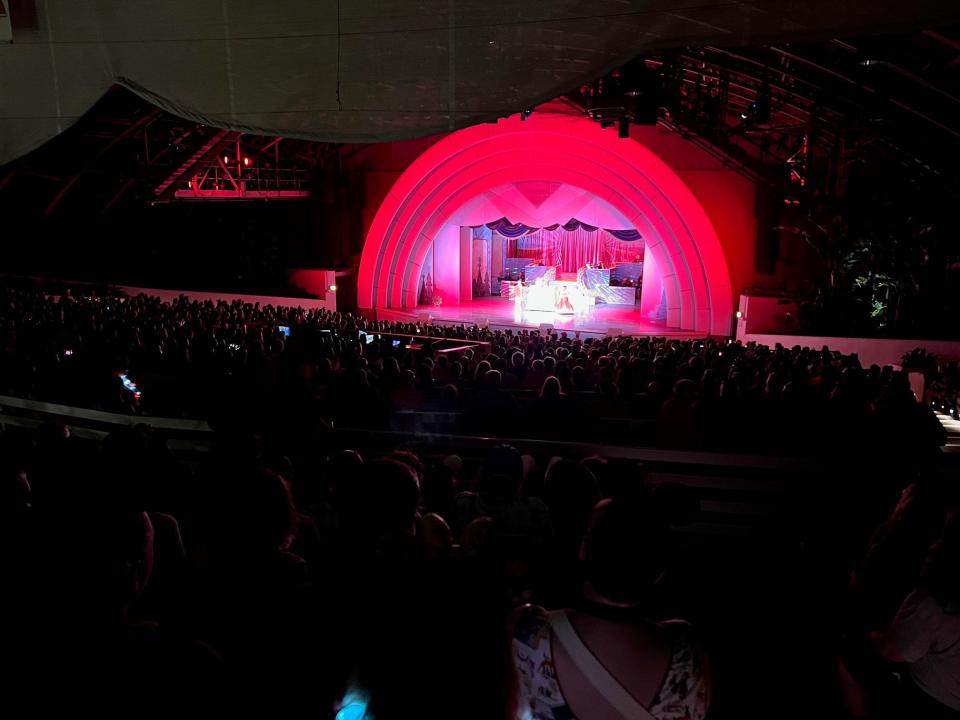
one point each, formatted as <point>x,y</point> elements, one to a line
<point>561,149</point>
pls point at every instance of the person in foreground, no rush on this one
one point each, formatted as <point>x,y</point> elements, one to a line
<point>610,658</point>
<point>925,634</point>
<point>912,669</point>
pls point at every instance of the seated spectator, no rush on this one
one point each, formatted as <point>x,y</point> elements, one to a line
<point>551,414</point>
<point>925,634</point>
<point>435,536</point>
<point>498,497</point>
<point>514,376</point>
<point>83,638</point>
<point>923,639</point>
<point>610,657</point>
<point>897,551</point>
<point>439,490</point>
<point>676,420</point>
<point>570,492</point>
<point>491,409</point>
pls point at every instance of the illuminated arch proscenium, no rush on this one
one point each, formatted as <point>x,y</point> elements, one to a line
<point>555,148</point>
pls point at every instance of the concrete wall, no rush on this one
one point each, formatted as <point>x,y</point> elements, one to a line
<point>328,303</point>
<point>316,282</point>
<point>760,314</point>
<point>871,351</point>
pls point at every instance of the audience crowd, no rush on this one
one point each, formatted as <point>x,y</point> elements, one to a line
<point>279,572</point>
<point>220,360</point>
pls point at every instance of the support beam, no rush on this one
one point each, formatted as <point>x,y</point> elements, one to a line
<point>130,130</point>
<point>198,157</point>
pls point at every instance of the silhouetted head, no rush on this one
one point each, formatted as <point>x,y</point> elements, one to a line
<point>502,474</point>
<point>551,388</point>
<point>623,551</point>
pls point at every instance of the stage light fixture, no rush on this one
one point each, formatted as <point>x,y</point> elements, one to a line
<point>524,114</point>
<point>739,314</point>
<point>246,162</point>
<point>332,288</point>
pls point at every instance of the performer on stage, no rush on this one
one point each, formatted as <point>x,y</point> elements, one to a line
<point>563,306</point>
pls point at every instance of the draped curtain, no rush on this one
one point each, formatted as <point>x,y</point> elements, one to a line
<point>509,230</point>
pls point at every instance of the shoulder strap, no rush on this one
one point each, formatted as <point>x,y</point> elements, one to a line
<point>595,673</point>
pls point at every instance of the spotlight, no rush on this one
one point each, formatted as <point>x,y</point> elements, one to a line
<point>246,162</point>
<point>332,288</point>
<point>226,160</point>
<point>739,314</point>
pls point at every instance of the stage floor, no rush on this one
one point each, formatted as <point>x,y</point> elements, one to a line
<point>597,320</point>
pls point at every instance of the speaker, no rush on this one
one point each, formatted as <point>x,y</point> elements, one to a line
<point>769,212</point>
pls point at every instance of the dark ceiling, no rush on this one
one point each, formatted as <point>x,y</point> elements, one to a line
<point>786,114</point>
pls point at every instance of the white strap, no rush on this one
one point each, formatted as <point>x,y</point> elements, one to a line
<point>595,673</point>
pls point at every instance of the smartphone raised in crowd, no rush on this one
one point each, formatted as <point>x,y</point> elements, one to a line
<point>130,385</point>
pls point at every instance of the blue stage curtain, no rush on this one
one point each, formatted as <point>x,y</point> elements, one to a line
<point>509,230</point>
<point>625,235</point>
<point>573,225</point>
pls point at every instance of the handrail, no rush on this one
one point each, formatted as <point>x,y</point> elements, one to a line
<point>611,452</point>
<point>70,411</point>
<point>618,452</point>
<point>652,455</point>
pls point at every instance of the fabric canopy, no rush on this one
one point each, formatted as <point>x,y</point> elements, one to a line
<point>369,70</point>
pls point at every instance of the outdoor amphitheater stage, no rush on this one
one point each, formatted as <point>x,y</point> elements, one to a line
<point>501,313</point>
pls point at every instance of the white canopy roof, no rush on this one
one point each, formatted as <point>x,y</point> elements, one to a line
<point>369,70</point>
